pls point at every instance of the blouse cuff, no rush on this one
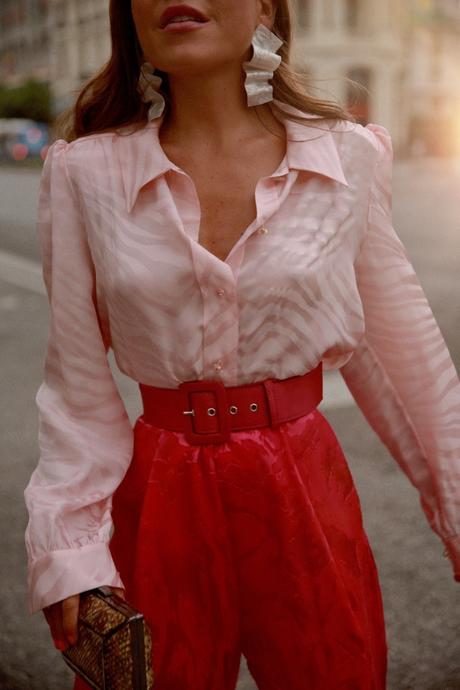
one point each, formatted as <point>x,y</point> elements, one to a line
<point>452,551</point>
<point>64,572</point>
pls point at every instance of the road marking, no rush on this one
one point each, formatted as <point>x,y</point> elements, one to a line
<point>21,272</point>
<point>27,274</point>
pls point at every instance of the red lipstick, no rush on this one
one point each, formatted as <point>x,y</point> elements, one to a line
<point>195,18</point>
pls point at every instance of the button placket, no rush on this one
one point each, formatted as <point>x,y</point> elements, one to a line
<point>220,318</point>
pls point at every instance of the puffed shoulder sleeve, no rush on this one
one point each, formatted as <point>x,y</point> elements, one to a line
<point>85,435</point>
<point>401,374</point>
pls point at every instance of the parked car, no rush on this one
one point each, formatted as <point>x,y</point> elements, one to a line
<point>22,139</point>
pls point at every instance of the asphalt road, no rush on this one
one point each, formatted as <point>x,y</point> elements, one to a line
<point>420,596</point>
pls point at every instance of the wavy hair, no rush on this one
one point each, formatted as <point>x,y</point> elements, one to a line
<point>110,99</point>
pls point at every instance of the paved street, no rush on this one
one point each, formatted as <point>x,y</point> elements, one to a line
<point>420,596</point>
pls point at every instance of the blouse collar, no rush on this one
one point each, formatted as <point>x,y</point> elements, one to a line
<point>310,147</point>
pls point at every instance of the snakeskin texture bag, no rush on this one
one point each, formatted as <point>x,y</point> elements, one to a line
<point>114,646</point>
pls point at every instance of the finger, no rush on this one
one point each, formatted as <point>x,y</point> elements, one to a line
<point>70,607</point>
<point>53,615</point>
<point>119,591</point>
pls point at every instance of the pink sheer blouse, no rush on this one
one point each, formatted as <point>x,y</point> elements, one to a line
<point>320,274</point>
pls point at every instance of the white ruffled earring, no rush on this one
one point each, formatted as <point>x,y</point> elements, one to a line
<point>148,87</point>
<point>259,69</point>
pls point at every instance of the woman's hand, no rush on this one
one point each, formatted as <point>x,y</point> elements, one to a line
<point>62,617</point>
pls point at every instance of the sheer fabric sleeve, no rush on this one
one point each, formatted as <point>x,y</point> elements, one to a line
<point>85,435</point>
<point>401,374</point>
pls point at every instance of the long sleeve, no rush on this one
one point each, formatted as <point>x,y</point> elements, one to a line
<point>401,374</point>
<point>85,436</point>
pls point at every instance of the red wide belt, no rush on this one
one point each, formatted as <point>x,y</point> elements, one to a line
<point>206,411</point>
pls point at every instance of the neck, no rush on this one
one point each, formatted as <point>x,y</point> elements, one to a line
<point>211,110</point>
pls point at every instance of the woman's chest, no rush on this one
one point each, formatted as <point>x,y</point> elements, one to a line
<point>300,271</point>
<point>227,208</point>
<point>311,226</point>
<point>225,190</point>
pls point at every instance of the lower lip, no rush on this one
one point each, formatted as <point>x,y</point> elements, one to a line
<point>177,27</point>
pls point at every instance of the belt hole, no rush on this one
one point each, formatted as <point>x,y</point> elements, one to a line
<point>211,411</point>
<point>233,409</point>
<point>253,407</point>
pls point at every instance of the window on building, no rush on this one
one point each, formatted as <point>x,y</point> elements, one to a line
<point>358,93</point>
<point>353,11</point>
<point>303,13</point>
<point>62,59</point>
<point>42,8</point>
<point>60,15</point>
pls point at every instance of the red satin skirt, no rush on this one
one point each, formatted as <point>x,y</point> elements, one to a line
<point>255,546</point>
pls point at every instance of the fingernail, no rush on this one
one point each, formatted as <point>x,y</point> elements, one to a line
<point>72,639</point>
<point>60,645</point>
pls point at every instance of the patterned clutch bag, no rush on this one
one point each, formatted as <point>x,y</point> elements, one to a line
<point>114,646</point>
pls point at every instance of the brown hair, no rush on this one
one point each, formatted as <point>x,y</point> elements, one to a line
<point>110,98</point>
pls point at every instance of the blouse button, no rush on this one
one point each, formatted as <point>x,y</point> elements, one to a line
<point>218,365</point>
<point>221,292</point>
<point>263,230</point>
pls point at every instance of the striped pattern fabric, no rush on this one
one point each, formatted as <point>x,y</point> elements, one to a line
<point>319,275</point>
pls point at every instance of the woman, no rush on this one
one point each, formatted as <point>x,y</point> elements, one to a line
<point>228,242</point>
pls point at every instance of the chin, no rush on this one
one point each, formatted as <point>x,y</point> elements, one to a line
<point>188,65</point>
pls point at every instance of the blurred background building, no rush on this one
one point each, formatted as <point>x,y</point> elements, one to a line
<point>62,42</point>
<point>362,41</point>
<point>404,53</point>
<point>433,79</point>
<point>25,39</point>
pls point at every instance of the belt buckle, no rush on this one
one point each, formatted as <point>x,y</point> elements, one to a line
<point>206,386</point>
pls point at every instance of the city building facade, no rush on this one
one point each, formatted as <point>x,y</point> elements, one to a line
<point>342,42</point>
<point>62,42</point>
<point>433,83</point>
<point>404,53</point>
<point>80,45</point>
<point>25,38</point>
